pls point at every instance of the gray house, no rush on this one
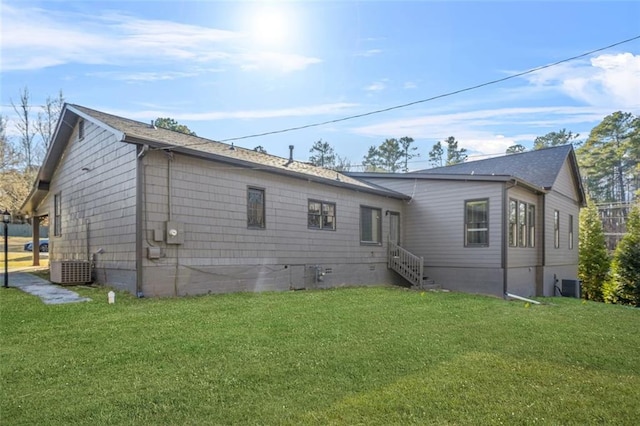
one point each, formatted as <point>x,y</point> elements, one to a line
<point>501,225</point>
<point>161,213</point>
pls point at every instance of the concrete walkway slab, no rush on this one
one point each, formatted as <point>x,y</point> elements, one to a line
<point>50,294</point>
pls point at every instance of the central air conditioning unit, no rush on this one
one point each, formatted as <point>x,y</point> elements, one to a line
<point>571,288</point>
<point>70,271</point>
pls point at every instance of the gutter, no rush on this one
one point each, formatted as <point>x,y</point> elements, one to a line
<point>269,169</point>
<point>139,213</point>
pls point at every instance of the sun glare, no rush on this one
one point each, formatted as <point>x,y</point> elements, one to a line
<point>269,26</point>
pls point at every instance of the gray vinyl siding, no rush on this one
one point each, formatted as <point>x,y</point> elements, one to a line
<point>434,229</point>
<point>98,205</point>
<point>220,253</point>
<point>434,222</point>
<point>561,263</point>
<point>565,183</point>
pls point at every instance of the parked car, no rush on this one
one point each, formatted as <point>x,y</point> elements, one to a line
<point>44,245</point>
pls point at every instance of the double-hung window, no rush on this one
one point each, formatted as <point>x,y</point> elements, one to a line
<point>532,225</point>
<point>513,223</point>
<point>570,227</point>
<point>556,229</point>
<point>370,225</point>
<point>322,215</point>
<point>476,223</point>
<point>80,129</point>
<point>57,214</point>
<point>522,224</point>
<point>255,208</point>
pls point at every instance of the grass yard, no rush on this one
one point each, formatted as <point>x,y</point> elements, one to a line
<point>347,356</point>
<point>18,258</point>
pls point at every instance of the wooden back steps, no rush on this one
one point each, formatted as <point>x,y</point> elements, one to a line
<point>410,267</point>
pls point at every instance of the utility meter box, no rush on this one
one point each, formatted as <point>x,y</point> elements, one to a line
<point>174,232</point>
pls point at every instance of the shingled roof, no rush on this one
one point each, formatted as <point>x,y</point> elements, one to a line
<point>537,170</point>
<point>539,167</point>
<point>136,132</point>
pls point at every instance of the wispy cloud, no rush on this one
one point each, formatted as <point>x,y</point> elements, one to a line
<point>144,76</point>
<point>33,38</point>
<point>272,60</point>
<point>410,85</point>
<point>610,80</point>
<point>376,86</point>
<point>368,53</point>
<point>301,111</point>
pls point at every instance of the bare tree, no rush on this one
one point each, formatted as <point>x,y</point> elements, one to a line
<point>8,155</point>
<point>48,118</point>
<point>27,141</point>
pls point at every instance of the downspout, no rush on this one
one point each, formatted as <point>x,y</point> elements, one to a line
<point>543,243</point>
<point>169,202</point>
<point>505,235</point>
<point>170,210</point>
<point>87,234</point>
<point>505,238</point>
<point>140,183</point>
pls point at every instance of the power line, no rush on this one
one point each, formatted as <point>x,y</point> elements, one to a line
<point>444,95</point>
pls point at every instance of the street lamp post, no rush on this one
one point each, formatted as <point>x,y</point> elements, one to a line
<point>6,218</point>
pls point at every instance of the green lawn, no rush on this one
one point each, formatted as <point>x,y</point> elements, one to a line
<point>347,356</point>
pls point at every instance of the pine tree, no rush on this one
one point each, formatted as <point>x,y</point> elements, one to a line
<point>323,155</point>
<point>624,284</point>
<point>593,263</point>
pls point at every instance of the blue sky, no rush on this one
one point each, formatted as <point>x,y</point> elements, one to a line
<point>230,69</point>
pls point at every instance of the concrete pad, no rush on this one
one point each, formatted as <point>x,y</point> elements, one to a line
<point>49,293</point>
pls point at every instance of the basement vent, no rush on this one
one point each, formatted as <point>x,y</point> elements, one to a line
<point>70,271</point>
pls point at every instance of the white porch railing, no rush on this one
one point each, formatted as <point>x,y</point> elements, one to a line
<point>405,263</point>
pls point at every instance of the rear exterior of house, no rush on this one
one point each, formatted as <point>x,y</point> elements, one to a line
<point>495,233</point>
<point>161,213</point>
<point>159,218</point>
<point>252,230</point>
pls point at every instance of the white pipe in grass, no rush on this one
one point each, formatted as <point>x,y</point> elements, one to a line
<point>514,296</point>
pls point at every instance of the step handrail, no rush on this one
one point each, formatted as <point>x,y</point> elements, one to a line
<point>405,263</point>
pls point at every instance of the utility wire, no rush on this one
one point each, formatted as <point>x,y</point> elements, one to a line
<point>444,95</point>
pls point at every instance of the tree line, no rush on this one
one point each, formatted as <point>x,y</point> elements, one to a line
<point>608,157</point>
<point>609,161</point>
